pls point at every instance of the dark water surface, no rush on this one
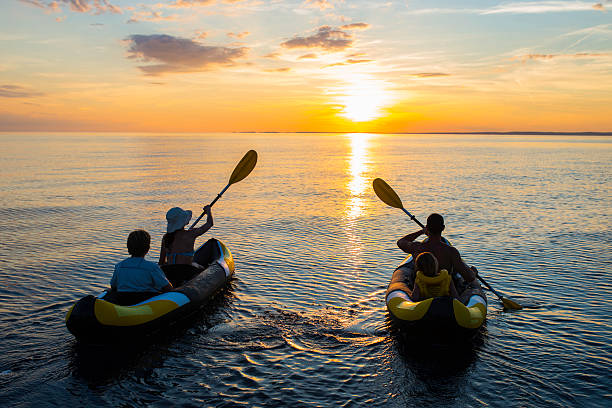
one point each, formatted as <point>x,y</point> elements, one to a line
<point>304,322</point>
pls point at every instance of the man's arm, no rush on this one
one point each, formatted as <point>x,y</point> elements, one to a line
<point>462,268</point>
<point>407,243</point>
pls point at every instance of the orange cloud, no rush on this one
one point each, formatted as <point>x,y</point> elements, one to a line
<point>356,26</point>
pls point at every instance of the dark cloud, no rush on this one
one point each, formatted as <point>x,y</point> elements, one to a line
<point>175,54</point>
<point>79,6</point>
<point>16,91</point>
<point>356,26</point>
<point>326,38</point>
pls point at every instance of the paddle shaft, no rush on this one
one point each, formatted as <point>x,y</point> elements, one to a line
<point>489,286</point>
<point>211,204</point>
<point>413,218</point>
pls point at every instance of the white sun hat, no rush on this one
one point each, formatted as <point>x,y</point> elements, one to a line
<point>177,218</point>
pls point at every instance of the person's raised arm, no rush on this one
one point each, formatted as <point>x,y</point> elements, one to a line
<point>407,243</point>
<point>208,224</point>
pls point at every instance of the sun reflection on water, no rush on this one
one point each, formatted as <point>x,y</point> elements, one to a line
<point>358,167</point>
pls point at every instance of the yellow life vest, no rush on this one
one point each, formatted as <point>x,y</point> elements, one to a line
<point>433,286</point>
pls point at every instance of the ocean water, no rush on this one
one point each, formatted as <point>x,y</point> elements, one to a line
<point>304,322</point>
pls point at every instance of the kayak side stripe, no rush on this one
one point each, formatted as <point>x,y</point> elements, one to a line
<point>114,315</point>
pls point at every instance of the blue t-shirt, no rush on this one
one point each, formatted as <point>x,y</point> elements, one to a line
<point>138,275</point>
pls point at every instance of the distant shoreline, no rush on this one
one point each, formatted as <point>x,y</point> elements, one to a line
<point>530,133</point>
<point>510,133</point>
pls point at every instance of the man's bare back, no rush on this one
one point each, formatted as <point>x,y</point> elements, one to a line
<point>448,256</point>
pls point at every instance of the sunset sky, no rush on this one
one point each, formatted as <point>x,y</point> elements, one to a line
<point>307,65</point>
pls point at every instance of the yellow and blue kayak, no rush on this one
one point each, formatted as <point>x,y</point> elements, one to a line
<point>441,317</point>
<point>103,318</point>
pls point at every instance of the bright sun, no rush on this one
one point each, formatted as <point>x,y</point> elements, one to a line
<point>362,99</point>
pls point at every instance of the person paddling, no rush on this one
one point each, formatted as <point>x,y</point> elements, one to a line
<point>178,243</point>
<point>448,256</point>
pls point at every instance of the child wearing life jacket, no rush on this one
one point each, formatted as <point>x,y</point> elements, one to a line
<point>429,282</point>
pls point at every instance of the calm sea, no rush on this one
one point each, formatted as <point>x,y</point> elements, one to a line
<point>304,322</point>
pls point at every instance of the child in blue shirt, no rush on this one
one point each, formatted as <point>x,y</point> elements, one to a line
<point>136,275</point>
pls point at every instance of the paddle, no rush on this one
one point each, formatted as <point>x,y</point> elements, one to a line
<point>390,197</point>
<point>243,169</point>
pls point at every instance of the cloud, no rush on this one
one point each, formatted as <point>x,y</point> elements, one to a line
<point>530,7</point>
<point>192,3</point>
<point>239,35</point>
<point>356,26</point>
<point>175,54</point>
<point>326,38</point>
<point>200,3</point>
<point>272,55</point>
<point>349,62</point>
<point>430,74</point>
<point>540,7</point>
<point>79,6</point>
<point>528,57</point>
<point>16,91</point>
<point>150,16</point>
<point>308,56</point>
<point>320,4</point>
<point>284,69</point>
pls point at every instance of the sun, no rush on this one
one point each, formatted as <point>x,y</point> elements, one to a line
<point>362,98</point>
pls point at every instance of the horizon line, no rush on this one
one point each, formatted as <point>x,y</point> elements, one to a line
<point>481,132</point>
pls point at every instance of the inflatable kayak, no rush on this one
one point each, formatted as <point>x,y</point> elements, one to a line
<point>438,317</point>
<point>107,317</point>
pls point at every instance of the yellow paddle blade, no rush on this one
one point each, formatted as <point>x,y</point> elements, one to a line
<point>386,193</point>
<point>510,304</point>
<point>244,167</point>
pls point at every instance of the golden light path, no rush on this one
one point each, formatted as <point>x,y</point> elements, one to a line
<point>362,98</point>
<point>358,172</point>
<point>358,167</point>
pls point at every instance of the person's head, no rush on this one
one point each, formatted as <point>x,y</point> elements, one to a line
<point>138,243</point>
<point>427,263</point>
<point>177,218</point>
<point>435,224</point>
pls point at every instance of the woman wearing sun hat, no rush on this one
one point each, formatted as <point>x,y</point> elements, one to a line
<point>177,243</point>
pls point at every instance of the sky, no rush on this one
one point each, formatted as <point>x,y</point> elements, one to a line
<point>305,65</point>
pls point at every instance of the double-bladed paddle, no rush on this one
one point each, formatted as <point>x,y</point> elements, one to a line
<point>390,197</point>
<point>243,169</point>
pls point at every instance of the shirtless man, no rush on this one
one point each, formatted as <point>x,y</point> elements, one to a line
<point>448,256</point>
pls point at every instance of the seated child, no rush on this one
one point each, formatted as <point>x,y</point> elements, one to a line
<point>136,279</point>
<point>429,282</point>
